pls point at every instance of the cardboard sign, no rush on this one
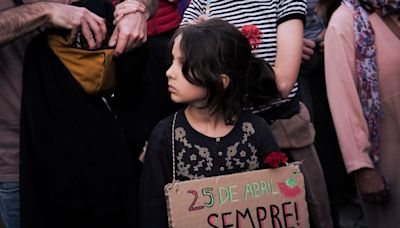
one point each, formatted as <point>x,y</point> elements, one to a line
<point>259,199</point>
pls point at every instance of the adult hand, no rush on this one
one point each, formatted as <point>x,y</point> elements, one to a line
<point>321,46</point>
<point>308,49</point>
<point>310,45</point>
<point>78,19</point>
<point>371,185</point>
<point>321,39</point>
<point>127,7</point>
<point>198,20</point>
<point>130,32</point>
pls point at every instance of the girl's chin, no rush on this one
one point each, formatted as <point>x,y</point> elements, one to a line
<point>175,99</point>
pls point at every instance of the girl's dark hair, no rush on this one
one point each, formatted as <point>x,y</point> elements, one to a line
<point>215,47</point>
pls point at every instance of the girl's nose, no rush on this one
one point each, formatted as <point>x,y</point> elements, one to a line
<point>169,72</point>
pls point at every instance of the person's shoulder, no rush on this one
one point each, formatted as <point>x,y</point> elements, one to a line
<point>258,127</point>
<point>164,123</point>
<point>342,19</point>
<point>258,121</point>
<point>167,120</point>
<point>161,134</point>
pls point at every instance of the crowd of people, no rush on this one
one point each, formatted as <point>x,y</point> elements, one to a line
<point>231,80</point>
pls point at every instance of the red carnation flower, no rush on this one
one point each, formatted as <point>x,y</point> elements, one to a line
<point>275,159</point>
<point>253,34</point>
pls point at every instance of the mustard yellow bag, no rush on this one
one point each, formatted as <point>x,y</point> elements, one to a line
<point>93,69</point>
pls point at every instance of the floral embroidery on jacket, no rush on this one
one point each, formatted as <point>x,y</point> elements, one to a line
<point>196,161</point>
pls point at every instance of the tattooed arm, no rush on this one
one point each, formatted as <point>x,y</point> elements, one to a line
<point>17,21</point>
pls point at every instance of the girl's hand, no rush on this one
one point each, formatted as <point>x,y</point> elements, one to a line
<point>127,7</point>
<point>371,184</point>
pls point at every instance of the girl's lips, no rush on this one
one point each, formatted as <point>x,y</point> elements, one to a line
<point>171,89</point>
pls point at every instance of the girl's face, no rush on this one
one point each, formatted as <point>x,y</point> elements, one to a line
<point>182,91</point>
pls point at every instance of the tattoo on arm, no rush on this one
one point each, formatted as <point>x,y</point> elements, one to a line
<point>16,22</point>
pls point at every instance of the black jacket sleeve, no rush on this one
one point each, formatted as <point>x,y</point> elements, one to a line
<point>157,172</point>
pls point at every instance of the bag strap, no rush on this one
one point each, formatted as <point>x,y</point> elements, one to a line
<point>390,23</point>
<point>173,148</point>
<point>18,2</point>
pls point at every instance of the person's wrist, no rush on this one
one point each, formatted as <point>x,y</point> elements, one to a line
<point>145,15</point>
<point>361,171</point>
<point>146,12</point>
<point>46,8</point>
<point>47,11</point>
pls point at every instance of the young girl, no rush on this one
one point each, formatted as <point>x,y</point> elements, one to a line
<point>215,74</point>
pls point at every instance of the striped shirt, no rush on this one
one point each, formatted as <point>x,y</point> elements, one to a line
<point>266,15</point>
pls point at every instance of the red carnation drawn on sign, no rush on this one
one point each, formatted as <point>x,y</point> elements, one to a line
<point>275,159</point>
<point>253,34</point>
<point>289,192</point>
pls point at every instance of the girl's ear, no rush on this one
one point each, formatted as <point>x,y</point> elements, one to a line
<point>225,80</point>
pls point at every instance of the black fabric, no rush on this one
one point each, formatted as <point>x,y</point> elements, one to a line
<point>18,2</point>
<point>76,169</point>
<point>102,8</point>
<point>284,111</point>
<point>312,92</point>
<point>142,97</point>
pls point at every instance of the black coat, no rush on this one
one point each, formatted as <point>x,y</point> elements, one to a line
<point>76,169</point>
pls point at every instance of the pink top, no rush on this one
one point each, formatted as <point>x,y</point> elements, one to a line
<point>342,83</point>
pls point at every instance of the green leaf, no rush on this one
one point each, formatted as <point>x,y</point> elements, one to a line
<point>291,182</point>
